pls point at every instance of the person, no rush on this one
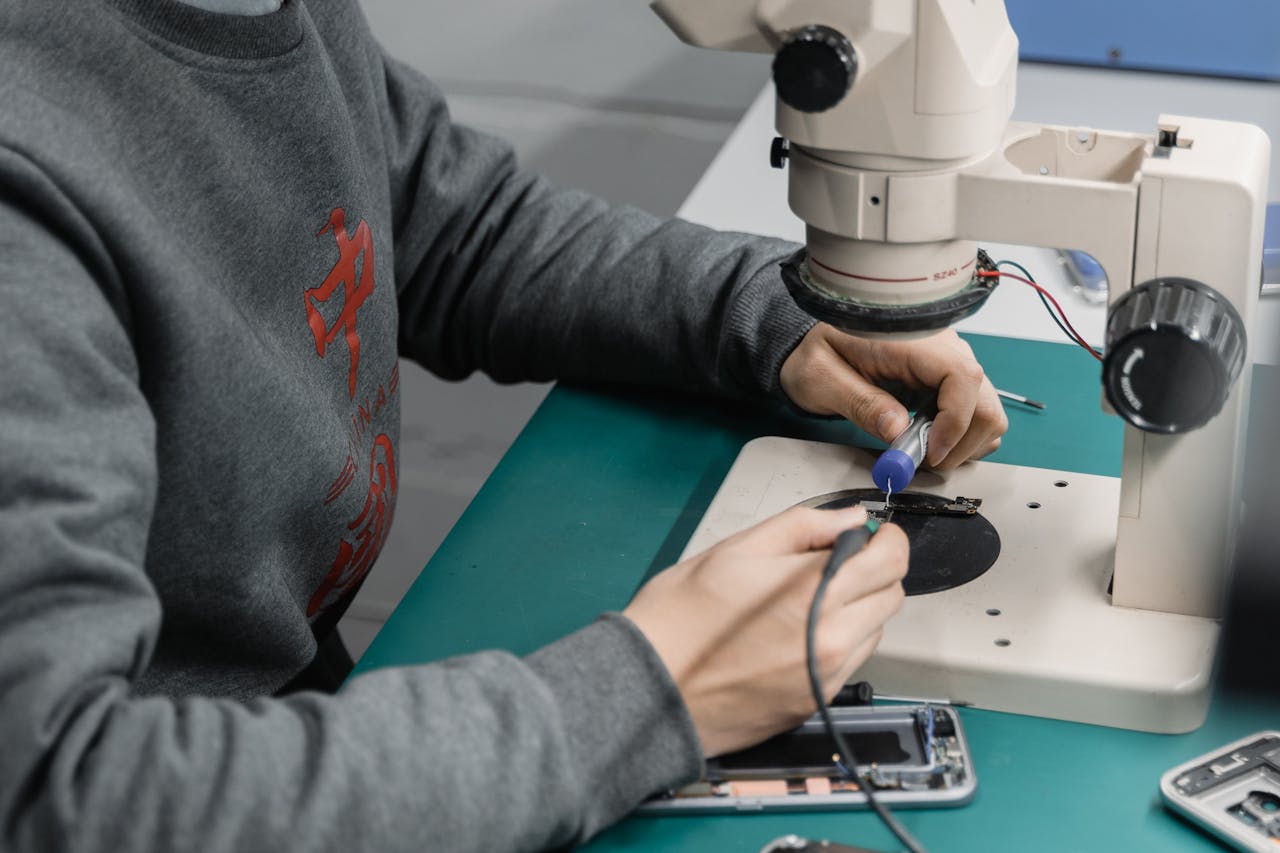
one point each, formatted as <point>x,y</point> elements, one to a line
<point>221,222</point>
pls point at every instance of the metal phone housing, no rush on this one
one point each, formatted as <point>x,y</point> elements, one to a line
<point>916,756</point>
<point>1233,792</point>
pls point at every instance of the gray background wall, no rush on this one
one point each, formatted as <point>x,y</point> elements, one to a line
<point>594,94</point>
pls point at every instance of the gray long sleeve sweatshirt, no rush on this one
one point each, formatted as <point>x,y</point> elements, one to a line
<point>217,233</point>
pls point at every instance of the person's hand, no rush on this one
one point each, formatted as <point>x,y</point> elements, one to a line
<point>831,373</point>
<point>729,623</point>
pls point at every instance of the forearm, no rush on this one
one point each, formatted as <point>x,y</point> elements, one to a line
<point>402,759</point>
<point>486,752</point>
<point>500,272</point>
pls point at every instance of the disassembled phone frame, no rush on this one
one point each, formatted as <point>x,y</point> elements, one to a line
<point>1234,791</point>
<point>930,766</point>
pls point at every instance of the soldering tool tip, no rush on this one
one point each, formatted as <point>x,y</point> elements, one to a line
<point>1018,398</point>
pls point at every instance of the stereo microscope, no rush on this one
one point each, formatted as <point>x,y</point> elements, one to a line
<point>894,126</point>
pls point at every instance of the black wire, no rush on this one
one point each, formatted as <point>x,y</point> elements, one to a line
<point>1043,300</point>
<point>847,544</point>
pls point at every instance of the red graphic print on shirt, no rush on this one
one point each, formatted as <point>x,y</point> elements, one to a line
<point>359,547</point>
<point>371,527</point>
<point>360,424</point>
<point>345,478</point>
<point>356,288</point>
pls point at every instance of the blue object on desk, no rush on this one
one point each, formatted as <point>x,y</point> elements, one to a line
<point>1086,264</point>
<point>1225,38</point>
<point>1086,275</point>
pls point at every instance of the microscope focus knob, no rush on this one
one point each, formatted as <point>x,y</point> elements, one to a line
<point>814,69</point>
<point>1174,349</point>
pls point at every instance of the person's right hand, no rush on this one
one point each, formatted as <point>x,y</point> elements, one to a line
<point>729,623</point>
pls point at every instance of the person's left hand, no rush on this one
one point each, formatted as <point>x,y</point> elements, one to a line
<point>832,373</point>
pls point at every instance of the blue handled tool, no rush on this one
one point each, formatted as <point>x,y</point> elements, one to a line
<point>897,466</point>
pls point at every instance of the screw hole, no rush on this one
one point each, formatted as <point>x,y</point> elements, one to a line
<point>1033,504</point>
<point>1061,484</point>
<point>993,611</point>
<point>1002,642</point>
<point>875,200</point>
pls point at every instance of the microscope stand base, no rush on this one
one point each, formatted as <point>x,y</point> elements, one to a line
<point>1037,633</point>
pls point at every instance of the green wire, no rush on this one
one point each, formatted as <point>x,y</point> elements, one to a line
<point>1043,301</point>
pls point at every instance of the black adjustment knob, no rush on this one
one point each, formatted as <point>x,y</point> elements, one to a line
<point>1174,349</point>
<point>814,69</point>
<point>853,695</point>
<point>779,151</point>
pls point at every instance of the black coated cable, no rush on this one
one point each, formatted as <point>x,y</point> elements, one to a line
<point>847,544</point>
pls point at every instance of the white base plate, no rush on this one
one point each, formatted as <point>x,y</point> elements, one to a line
<point>1037,633</point>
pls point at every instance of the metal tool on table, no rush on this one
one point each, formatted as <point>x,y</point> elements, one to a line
<point>1019,398</point>
<point>893,121</point>
<point>796,844</point>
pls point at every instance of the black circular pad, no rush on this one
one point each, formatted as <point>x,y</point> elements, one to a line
<point>946,550</point>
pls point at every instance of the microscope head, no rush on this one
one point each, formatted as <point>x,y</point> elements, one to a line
<point>868,89</point>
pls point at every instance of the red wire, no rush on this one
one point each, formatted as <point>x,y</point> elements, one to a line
<point>1046,294</point>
